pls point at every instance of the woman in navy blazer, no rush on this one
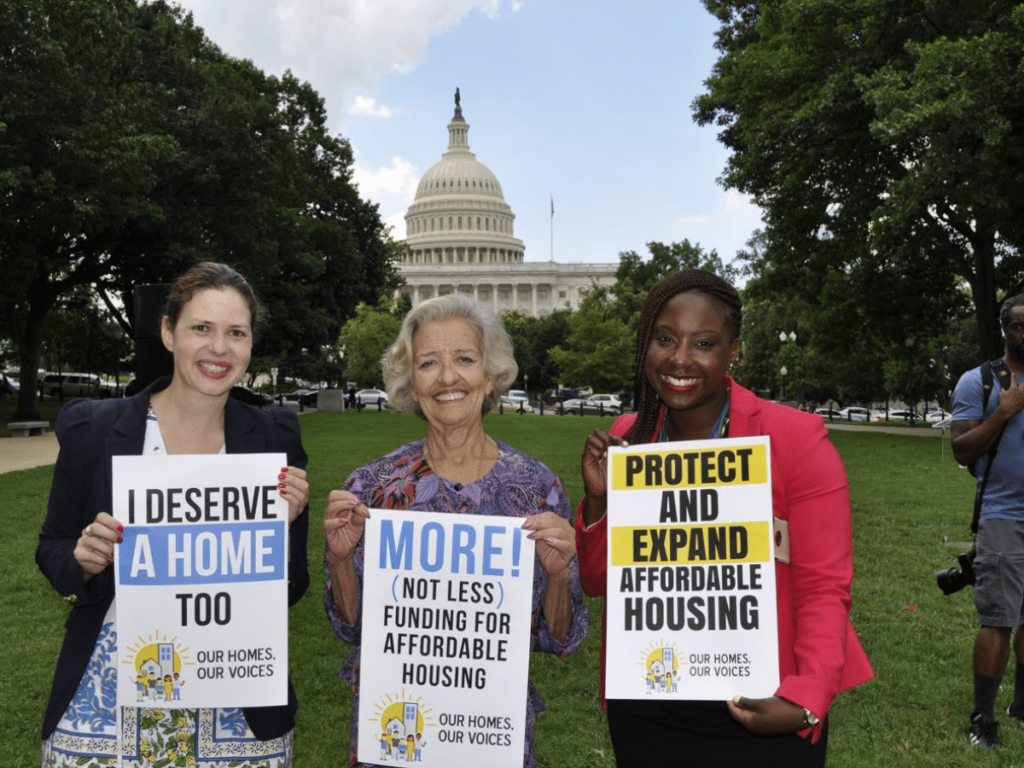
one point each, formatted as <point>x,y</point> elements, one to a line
<point>209,328</point>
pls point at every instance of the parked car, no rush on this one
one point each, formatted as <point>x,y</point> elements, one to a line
<point>937,415</point>
<point>828,413</point>
<point>610,401</point>
<point>366,397</point>
<point>515,404</point>
<point>518,394</point>
<point>61,385</point>
<point>855,413</point>
<point>587,406</point>
<point>307,398</point>
<point>560,395</point>
<point>901,415</point>
<point>251,396</point>
<point>9,386</point>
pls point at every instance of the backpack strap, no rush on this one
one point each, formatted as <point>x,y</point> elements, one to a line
<point>994,370</point>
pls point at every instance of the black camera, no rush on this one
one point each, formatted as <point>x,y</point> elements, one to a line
<point>954,579</point>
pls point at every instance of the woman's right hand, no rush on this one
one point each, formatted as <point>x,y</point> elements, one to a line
<point>95,548</point>
<point>595,473</point>
<point>344,522</point>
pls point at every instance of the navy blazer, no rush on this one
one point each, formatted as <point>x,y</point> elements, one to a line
<point>90,434</point>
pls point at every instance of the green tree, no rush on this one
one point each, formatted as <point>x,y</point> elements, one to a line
<point>599,344</point>
<point>133,147</point>
<point>883,141</point>
<point>365,338</point>
<point>635,276</point>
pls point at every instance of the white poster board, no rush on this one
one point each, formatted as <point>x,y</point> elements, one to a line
<point>447,603</point>
<point>691,610</point>
<point>202,581</point>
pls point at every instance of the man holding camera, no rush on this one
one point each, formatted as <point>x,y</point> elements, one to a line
<point>988,429</point>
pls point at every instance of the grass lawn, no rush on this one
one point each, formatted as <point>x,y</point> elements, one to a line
<point>908,494</point>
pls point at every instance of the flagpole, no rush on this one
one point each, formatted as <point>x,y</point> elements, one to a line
<point>552,229</point>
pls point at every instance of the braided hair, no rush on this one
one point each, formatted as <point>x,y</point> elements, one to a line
<point>647,405</point>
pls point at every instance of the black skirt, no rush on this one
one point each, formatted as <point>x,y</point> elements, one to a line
<point>647,734</point>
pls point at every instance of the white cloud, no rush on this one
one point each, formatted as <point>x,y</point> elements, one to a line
<point>393,188</point>
<point>343,47</point>
<point>367,105</point>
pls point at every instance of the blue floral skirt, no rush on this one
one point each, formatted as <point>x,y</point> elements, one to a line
<point>87,734</point>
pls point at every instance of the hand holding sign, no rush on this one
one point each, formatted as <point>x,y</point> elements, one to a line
<point>95,548</point>
<point>767,717</point>
<point>595,473</point>
<point>556,541</point>
<point>344,522</point>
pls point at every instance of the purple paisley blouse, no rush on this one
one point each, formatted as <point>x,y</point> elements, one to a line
<point>518,486</point>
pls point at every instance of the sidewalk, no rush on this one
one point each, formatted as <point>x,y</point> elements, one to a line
<point>27,452</point>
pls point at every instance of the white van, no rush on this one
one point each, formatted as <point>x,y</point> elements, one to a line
<point>59,386</point>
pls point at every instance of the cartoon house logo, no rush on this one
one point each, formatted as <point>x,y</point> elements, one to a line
<point>157,670</point>
<point>402,730</point>
<point>661,670</point>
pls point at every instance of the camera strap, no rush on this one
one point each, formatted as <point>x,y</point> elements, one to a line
<point>989,376</point>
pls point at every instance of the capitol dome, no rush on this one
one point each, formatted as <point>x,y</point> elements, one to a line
<point>460,215</point>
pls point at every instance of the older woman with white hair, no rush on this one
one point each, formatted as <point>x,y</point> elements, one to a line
<point>450,365</point>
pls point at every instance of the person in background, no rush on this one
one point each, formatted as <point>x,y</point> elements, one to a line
<point>450,364</point>
<point>687,338</point>
<point>209,325</point>
<point>988,432</point>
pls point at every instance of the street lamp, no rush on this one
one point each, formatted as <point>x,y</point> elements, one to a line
<point>783,371</point>
<point>784,337</point>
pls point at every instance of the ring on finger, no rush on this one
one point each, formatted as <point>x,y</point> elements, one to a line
<point>88,530</point>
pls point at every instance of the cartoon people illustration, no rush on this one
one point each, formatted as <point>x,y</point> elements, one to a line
<point>419,747</point>
<point>140,687</point>
<point>168,688</point>
<point>384,745</point>
<point>410,747</point>
<point>178,682</point>
<point>151,686</point>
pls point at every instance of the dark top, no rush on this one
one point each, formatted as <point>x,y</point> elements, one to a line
<point>90,434</point>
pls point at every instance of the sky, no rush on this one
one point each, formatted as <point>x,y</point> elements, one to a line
<point>581,103</point>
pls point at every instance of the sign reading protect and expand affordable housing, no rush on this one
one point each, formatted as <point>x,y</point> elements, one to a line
<point>447,604</point>
<point>691,608</point>
<point>202,581</point>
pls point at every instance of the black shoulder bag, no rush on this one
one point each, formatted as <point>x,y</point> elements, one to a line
<point>990,372</point>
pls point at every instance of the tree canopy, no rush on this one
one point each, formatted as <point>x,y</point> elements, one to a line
<point>132,147</point>
<point>883,141</point>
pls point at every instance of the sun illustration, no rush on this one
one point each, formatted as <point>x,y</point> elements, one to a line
<point>402,714</point>
<point>156,653</point>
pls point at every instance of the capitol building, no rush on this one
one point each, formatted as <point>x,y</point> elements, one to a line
<point>461,237</point>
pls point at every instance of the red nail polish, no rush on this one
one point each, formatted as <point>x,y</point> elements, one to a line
<point>282,486</point>
<point>284,469</point>
<point>118,539</point>
<point>120,529</point>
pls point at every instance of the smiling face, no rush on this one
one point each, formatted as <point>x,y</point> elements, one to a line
<point>211,342</point>
<point>690,351</point>
<point>449,379</point>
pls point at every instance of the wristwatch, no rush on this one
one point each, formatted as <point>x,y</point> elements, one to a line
<point>810,718</point>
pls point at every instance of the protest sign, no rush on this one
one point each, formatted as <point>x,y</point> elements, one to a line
<point>447,604</point>
<point>691,608</point>
<point>202,581</point>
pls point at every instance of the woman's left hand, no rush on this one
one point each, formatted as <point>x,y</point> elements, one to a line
<point>556,541</point>
<point>767,717</point>
<point>291,482</point>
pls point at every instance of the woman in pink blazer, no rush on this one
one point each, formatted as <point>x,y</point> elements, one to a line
<point>687,338</point>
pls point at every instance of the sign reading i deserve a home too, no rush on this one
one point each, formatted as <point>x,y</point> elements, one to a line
<point>691,577</point>
<point>447,605</point>
<point>202,581</point>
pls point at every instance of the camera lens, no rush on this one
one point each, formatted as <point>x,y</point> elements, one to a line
<point>951,580</point>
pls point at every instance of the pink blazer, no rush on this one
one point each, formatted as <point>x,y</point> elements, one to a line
<point>819,653</point>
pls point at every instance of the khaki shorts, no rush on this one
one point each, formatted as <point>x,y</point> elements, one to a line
<point>999,567</point>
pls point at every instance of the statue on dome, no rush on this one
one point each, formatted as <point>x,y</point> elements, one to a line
<point>458,101</point>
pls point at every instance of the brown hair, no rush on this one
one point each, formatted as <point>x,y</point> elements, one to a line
<point>211,274</point>
<point>645,398</point>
